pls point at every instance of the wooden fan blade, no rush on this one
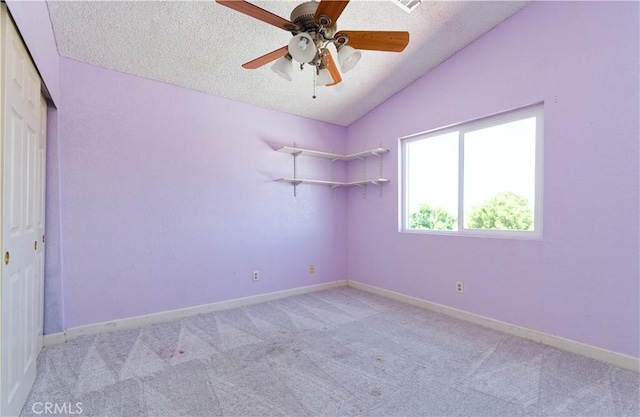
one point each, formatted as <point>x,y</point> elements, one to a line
<point>333,70</point>
<point>266,58</point>
<point>376,40</point>
<point>332,9</point>
<point>258,13</point>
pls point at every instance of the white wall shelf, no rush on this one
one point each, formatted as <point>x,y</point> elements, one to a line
<point>334,184</point>
<point>298,181</point>
<point>330,155</point>
<point>333,157</point>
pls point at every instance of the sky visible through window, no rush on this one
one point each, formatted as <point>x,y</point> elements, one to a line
<point>497,159</point>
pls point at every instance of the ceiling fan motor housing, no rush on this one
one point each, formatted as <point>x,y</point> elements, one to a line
<point>304,16</point>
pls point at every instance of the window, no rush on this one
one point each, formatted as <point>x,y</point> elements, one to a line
<point>479,178</point>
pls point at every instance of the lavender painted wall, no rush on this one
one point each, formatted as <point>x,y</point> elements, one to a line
<point>53,278</point>
<point>32,19</point>
<point>169,201</point>
<point>581,280</point>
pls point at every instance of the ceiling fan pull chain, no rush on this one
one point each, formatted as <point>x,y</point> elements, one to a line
<point>314,82</point>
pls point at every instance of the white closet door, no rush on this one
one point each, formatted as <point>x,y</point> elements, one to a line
<point>23,137</point>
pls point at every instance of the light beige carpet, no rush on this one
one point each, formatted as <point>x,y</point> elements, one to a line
<point>341,352</point>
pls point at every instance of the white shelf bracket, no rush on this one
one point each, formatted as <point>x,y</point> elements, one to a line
<point>379,173</point>
<point>364,176</point>
<point>295,171</point>
<point>332,179</point>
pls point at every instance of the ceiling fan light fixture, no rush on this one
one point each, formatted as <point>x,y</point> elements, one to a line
<point>302,48</point>
<point>348,57</point>
<point>323,77</point>
<point>284,67</point>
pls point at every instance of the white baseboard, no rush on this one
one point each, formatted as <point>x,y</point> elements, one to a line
<point>604,355</point>
<point>132,322</point>
<point>54,339</point>
<point>593,352</point>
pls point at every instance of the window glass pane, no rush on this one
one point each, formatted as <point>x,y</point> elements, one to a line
<point>499,176</point>
<point>432,183</point>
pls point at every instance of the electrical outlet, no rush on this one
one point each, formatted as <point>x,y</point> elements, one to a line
<point>459,287</point>
<point>312,268</point>
<point>255,276</point>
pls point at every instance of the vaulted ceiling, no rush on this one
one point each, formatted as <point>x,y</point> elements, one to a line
<point>201,45</point>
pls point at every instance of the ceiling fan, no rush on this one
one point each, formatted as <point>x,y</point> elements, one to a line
<point>313,26</point>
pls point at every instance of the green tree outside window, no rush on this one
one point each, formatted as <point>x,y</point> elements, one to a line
<point>433,218</point>
<point>506,211</point>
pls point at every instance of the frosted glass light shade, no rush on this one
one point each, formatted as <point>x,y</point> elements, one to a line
<point>302,48</point>
<point>283,67</point>
<point>324,77</point>
<point>348,58</point>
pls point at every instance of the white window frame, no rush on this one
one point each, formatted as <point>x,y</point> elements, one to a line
<point>465,127</point>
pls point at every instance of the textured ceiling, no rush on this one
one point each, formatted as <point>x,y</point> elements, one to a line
<point>201,45</point>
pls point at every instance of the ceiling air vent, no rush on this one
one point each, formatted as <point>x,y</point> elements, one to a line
<point>407,5</point>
